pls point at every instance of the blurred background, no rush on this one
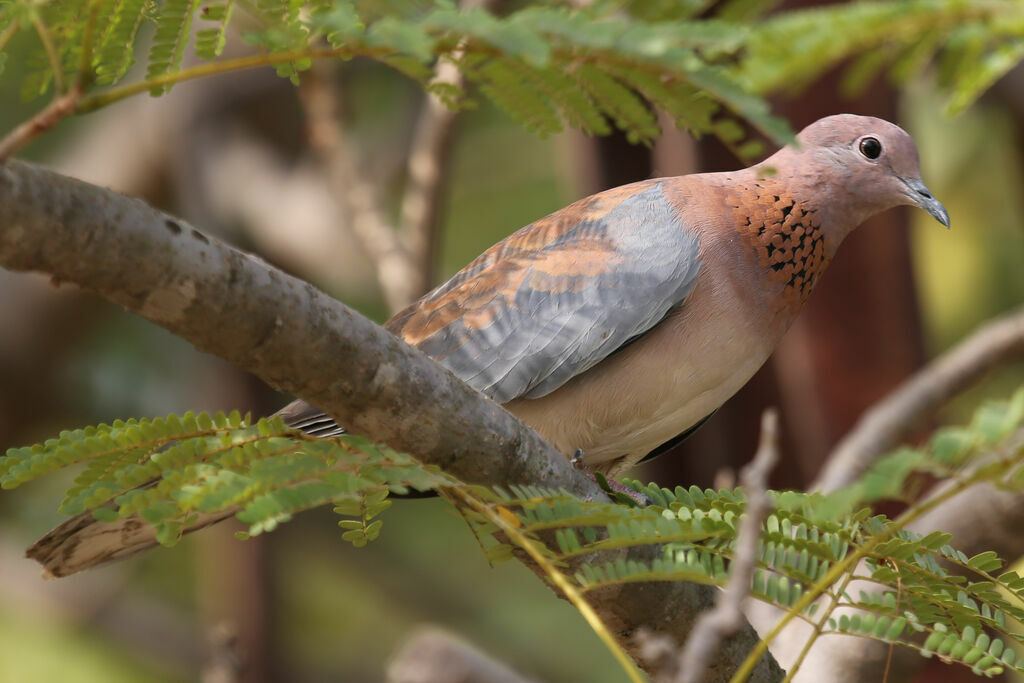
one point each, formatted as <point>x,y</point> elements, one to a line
<point>248,158</point>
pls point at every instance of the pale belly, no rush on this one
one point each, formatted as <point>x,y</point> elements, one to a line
<point>657,388</point>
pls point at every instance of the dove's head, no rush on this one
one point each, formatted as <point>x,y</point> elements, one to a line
<point>861,165</point>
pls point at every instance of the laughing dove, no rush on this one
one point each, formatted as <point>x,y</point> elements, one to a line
<point>625,319</point>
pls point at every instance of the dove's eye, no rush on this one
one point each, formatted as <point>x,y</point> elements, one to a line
<point>870,147</point>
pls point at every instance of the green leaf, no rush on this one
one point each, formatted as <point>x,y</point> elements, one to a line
<point>402,37</point>
<point>987,561</point>
<point>105,514</point>
<point>339,22</point>
<point>169,41</point>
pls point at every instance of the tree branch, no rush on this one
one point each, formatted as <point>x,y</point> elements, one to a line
<point>236,306</point>
<point>358,197</point>
<point>981,518</point>
<point>427,168</point>
<point>894,419</point>
<point>402,254</point>
<point>432,655</point>
<point>297,339</point>
<point>57,110</point>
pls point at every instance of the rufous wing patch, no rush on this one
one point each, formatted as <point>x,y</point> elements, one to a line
<point>537,256</point>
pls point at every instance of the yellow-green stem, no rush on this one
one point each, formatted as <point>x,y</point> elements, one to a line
<point>85,65</point>
<point>835,573</point>
<point>818,628</point>
<point>92,102</point>
<point>573,595</point>
<point>51,53</point>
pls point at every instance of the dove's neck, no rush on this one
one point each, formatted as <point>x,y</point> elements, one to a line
<point>817,183</point>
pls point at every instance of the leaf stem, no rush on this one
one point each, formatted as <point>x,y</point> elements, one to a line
<point>837,570</point>
<point>559,579</point>
<point>818,628</point>
<point>98,100</point>
<point>85,73</point>
<point>51,54</point>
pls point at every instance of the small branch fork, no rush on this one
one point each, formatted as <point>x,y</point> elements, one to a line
<point>64,103</point>
<point>56,111</point>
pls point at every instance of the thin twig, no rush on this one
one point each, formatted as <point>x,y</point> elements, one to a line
<point>425,176</point>
<point>892,645</point>
<point>51,53</point>
<point>64,103</point>
<point>819,627</point>
<point>894,419</point>
<point>402,255</point>
<point>59,108</point>
<point>727,617</point>
<point>432,655</point>
<point>355,192</point>
<point>427,164</point>
<point>85,72</point>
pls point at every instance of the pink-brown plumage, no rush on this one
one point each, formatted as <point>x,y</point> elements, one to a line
<point>765,235</point>
<point>627,317</point>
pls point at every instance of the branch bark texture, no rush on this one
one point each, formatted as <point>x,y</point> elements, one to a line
<point>278,327</point>
<point>298,339</point>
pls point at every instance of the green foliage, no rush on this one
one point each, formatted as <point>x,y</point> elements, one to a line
<point>171,470</point>
<point>814,553</point>
<point>366,507</point>
<point>548,66</point>
<point>210,41</point>
<point>917,591</point>
<point>173,26</point>
<point>119,23</point>
<point>976,42</point>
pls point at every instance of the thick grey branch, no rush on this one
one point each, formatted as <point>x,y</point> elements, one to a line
<point>281,329</point>
<point>894,419</point>
<point>297,339</point>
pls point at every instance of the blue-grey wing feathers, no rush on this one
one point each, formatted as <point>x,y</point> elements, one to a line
<point>555,298</point>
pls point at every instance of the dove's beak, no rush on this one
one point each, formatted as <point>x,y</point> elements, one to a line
<point>922,196</point>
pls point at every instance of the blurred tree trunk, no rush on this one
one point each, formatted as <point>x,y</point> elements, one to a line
<point>235,586</point>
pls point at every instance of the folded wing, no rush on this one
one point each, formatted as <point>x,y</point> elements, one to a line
<point>553,299</point>
<point>560,295</point>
